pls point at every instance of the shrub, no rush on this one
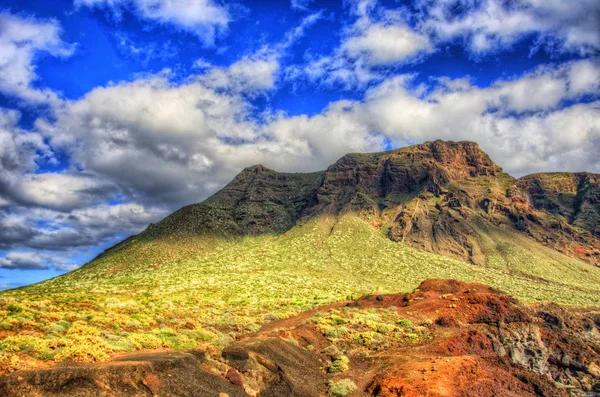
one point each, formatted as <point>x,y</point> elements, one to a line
<point>12,308</point>
<point>85,349</point>
<point>405,323</point>
<point>342,364</point>
<point>333,351</point>
<point>335,332</point>
<point>145,341</point>
<point>341,388</point>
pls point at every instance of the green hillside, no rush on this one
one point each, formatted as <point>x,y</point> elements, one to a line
<point>181,292</point>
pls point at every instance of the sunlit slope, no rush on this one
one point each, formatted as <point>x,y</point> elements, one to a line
<point>200,291</point>
<point>325,259</point>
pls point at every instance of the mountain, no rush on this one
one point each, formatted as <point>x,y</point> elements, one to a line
<point>258,200</point>
<point>273,246</point>
<point>443,197</point>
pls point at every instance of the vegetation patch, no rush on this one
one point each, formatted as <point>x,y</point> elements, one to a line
<point>185,292</point>
<point>341,388</point>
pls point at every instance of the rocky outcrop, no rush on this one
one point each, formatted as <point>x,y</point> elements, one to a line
<point>273,367</point>
<point>496,347</point>
<point>574,197</point>
<point>258,200</point>
<point>394,177</point>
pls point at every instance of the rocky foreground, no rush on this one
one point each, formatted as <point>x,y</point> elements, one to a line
<point>453,339</point>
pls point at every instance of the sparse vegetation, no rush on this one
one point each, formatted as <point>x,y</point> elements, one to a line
<point>181,292</point>
<point>358,331</point>
<point>340,364</point>
<point>341,388</point>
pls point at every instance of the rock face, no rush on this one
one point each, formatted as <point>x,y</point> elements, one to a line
<point>444,197</point>
<point>273,367</point>
<point>571,203</point>
<point>258,200</point>
<point>494,346</point>
<point>574,197</point>
<point>394,177</point>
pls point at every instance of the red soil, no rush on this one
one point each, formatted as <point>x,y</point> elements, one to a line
<point>484,343</point>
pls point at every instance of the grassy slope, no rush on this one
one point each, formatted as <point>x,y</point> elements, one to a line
<point>183,292</point>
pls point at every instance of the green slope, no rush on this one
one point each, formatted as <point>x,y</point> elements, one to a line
<point>182,292</point>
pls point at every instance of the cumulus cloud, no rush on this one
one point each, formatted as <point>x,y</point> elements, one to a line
<point>176,144</point>
<point>204,18</point>
<point>57,231</point>
<point>250,75</point>
<point>492,25</point>
<point>521,122</point>
<point>19,152</point>
<point>385,44</point>
<point>377,38</point>
<point>156,140</point>
<point>21,40</point>
<point>29,260</point>
<point>61,191</point>
<point>23,261</point>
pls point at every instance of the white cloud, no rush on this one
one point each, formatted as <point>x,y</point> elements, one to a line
<point>79,229</point>
<point>21,40</point>
<point>382,44</point>
<point>155,140</point>
<point>30,260</point>
<point>258,72</point>
<point>299,31</point>
<point>520,122</point>
<point>493,25</point>
<point>19,152</point>
<point>144,52</point>
<point>61,191</point>
<point>23,261</point>
<point>161,143</point>
<point>124,218</point>
<point>378,38</point>
<point>204,18</point>
<point>300,4</point>
<point>201,64</point>
<point>250,75</point>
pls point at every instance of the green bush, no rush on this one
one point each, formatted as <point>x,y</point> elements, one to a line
<point>342,364</point>
<point>341,388</point>
<point>335,332</point>
<point>12,308</point>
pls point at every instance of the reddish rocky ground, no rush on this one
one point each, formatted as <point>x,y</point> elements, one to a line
<point>480,342</point>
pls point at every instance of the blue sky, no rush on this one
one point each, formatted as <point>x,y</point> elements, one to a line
<point>114,113</point>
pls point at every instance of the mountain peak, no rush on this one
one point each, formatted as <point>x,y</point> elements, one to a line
<point>257,168</point>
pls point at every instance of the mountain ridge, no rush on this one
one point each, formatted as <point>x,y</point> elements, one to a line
<point>431,196</point>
